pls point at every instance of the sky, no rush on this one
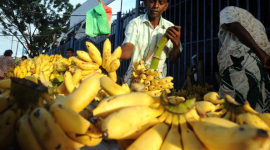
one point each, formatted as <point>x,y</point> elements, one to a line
<point>6,41</point>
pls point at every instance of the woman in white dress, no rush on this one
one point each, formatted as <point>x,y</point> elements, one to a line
<point>243,58</point>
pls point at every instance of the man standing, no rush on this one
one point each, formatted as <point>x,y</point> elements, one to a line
<point>143,33</point>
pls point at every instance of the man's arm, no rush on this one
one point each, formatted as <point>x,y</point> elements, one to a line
<point>127,51</point>
<point>174,34</point>
<point>243,35</point>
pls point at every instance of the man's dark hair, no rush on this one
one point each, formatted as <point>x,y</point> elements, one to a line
<point>8,53</point>
<point>70,49</point>
<point>24,57</point>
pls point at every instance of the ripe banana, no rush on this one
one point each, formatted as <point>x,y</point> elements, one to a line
<point>69,82</point>
<point>157,134</point>
<point>5,84</point>
<point>115,103</point>
<point>94,53</point>
<point>117,124</point>
<point>25,134</point>
<point>173,138</point>
<point>84,94</point>
<point>219,121</point>
<point>213,97</point>
<point>110,87</point>
<point>106,54</point>
<point>83,55</point>
<point>68,119</point>
<point>113,75</point>
<point>115,64</point>
<point>49,132</point>
<point>117,53</point>
<point>88,66</point>
<point>206,106</point>
<point>7,124</point>
<point>251,119</point>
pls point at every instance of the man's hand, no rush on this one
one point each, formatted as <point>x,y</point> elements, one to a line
<point>174,34</point>
<point>265,59</point>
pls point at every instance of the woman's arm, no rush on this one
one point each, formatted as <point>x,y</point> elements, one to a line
<point>243,35</point>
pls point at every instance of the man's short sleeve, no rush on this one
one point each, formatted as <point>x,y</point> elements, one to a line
<point>229,15</point>
<point>131,33</point>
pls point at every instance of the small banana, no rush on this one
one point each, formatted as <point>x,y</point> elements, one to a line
<point>106,54</point>
<point>83,55</point>
<point>110,87</point>
<point>94,53</point>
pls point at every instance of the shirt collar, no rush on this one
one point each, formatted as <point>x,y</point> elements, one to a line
<point>145,19</point>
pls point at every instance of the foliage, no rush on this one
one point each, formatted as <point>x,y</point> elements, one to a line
<point>34,22</point>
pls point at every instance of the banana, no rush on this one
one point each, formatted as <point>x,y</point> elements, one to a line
<point>31,78</point>
<point>157,134</point>
<point>8,141</point>
<point>265,117</point>
<point>86,113</point>
<point>68,119</point>
<point>84,94</point>
<point>49,132</point>
<point>213,97</point>
<point>228,115</point>
<point>192,115</point>
<point>155,93</point>
<point>61,89</point>
<point>155,82</point>
<point>5,84</point>
<point>149,78</point>
<point>77,77</point>
<point>115,64</point>
<point>243,137</point>
<point>251,119</point>
<point>5,93</point>
<point>106,54</point>
<point>169,118</point>
<point>117,53</point>
<point>115,103</point>
<point>83,56</point>
<point>7,124</point>
<point>88,66</point>
<point>248,108</point>
<point>137,132</point>
<point>113,75</point>
<point>173,138</point>
<point>189,139</point>
<point>94,53</point>
<point>25,134</point>
<point>219,121</point>
<point>69,82</point>
<point>110,87</point>
<point>117,124</point>
<point>206,106</point>
<point>76,60</point>
<point>165,80</point>
<point>4,103</point>
<point>150,72</point>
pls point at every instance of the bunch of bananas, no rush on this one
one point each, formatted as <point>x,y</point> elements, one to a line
<point>30,116</point>
<point>139,121</point>
<point>150,78</point>
<point>87,63</point>
<point>196,91</point>
<point>50,66</point>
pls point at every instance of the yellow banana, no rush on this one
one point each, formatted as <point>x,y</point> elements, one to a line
<point>169,118</point>
<point>76,60</point>
<point>84,94</point>
<point>157,134</point>
<point>69,120</point>
<point>62,88</point>
<point>167,79</point>
<point>149,78</point>
<point>155,93</point>
<point>115,103</point>
<point>117,53</point>
<point>32,78</point>
<point>25,134</point>
<point>77,77</point>
<point>5,84</point>
<point>206,106</point>
<point>173,138</point>
<point>117,124</point>
<point>163,116</point>
<point>265,117</point>
<point>251,119</point>
<point>189,139</point>
<point>94,53</point>
<point>7,124</point>
<point>150,72</point>
<point>83,55</point>
<point>49,132</point>
<point>243,137</point>
<point>213,97</point>
<point>106,54</point>
<point>248,108</point>
<point>155,82</point>
<point>88,66</point>
<point>110,87</point>
<point>115,64</point>
<point>69,82</point>
<point>219,121</point>
<point>113,75</point>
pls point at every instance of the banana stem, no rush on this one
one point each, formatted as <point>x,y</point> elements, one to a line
<point>160,45</point>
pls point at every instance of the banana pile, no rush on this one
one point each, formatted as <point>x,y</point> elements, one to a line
<point>150,78</point>
<point>51,67</point>
<point>36,121</point>
<point>139,121</point>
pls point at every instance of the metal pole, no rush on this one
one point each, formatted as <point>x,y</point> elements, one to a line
<point>17,50</point>
<point>137,7</point>
<point>117,43</point>
<point>121,5</point>
<point>12,42</point>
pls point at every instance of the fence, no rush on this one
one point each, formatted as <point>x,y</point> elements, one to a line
<point>199,20</point>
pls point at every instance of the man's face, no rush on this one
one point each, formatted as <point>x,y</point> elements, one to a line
<point>69,54</point>
<point>155,8</point>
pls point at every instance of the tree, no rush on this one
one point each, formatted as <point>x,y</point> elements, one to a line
<point>34,22</point>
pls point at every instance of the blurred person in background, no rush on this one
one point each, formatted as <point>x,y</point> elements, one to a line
<point>23,58</point>
<point>70,52</point>
<point>6,61</point>
<point>244,58</point>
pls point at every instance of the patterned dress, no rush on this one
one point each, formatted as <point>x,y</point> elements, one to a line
<point>5,63</point>
<point>242,74</point>
<point>144,37</point>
